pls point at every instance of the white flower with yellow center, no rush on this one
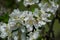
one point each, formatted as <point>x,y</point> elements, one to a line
<point>15,14</point>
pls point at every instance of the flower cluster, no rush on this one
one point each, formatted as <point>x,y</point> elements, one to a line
<point>49,7</point>
<point>30,2</point>
<point>38,18</point>
<point>32,21</point>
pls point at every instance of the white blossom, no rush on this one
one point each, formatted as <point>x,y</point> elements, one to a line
<point>30,2</point>
<point>18,0</point>
<point>3,30</point>
<point>16,38</point>
<point>52,7</point>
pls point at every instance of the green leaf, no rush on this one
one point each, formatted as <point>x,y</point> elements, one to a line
<point>4,18</point>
